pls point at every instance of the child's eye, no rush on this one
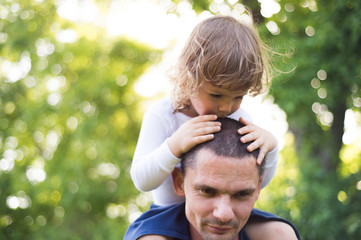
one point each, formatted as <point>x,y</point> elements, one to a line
<point>215,95</point>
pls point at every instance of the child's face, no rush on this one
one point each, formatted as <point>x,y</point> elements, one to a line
<point>215,100</point>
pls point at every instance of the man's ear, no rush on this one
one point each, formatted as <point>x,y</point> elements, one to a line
<point>259,185</point>
<point>178,182</point>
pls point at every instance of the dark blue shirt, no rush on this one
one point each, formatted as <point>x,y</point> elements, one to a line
<point>171,221</point>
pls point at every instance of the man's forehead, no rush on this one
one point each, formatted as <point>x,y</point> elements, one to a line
<point>205,154</point>
<point>213,168</point>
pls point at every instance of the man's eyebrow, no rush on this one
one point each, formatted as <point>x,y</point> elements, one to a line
<point>243,192</point>
<point>203,186</point>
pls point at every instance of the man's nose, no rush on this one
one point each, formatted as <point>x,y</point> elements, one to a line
<point>223,209</point>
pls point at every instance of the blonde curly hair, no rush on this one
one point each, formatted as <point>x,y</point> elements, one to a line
<point>224,52</point>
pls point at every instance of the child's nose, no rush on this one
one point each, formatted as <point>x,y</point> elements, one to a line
<point>225,107</point>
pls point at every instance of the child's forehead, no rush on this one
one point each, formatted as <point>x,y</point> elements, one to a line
<point>224,89</point>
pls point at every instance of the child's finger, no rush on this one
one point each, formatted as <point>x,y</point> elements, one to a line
<point>244,121</point>
<point>202,139</point>
<point>246,129</point>
<point>253,146</point>
<point>252,136</point>
<point>207,130</point>
<point>260,157</point>
<point>204,118</point>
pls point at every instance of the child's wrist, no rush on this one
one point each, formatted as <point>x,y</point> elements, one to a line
<point>172,148</point>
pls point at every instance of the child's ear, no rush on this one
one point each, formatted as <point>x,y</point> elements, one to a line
<point>178,182</point>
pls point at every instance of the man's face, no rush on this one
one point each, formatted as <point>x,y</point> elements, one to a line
<point>220,193</point>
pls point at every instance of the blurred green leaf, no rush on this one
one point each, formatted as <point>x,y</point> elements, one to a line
<point>69,125</point>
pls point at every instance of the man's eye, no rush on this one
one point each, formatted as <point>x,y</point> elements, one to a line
<point>207,191</point>
<point>241,196</point>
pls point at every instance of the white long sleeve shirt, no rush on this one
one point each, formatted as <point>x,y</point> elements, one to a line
<point>153,161</point>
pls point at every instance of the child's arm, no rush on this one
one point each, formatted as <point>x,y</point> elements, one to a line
<point>267,144</point>
<point>154,159</point>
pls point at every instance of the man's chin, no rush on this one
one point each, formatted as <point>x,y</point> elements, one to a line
<point>218,233</point>
<point>209,236</point>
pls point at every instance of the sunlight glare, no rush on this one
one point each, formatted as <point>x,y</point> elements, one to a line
<point>54,98</point>
<point>152,82</point>
<point>21,200</point>
<point>44,47</point>
<point>6,164</point>
<point>352,130</point>
<point>141,20</point>
<point>14,71</point>
<point>66,36</point>
<point>269,8</point>
<point>273,27</point>
<point>35,175</point>
<point>79,10</point>
<point>53,84</point>
<point>267,115</point>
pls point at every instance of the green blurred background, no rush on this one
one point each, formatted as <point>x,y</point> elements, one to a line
<point>70,111</point>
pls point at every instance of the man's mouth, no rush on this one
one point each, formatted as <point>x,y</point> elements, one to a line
<point>219,229</point>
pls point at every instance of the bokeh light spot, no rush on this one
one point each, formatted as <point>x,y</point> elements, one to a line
<point>322,93</point>
<point>41,220</point>
<point>35,175</point>
<point>342,196</point>
<point>315,83</point>
<point>321,74</point>
<point>310,31</point>
<point>358,186</point>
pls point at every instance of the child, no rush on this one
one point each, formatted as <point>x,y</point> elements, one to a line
<point>221,62</point>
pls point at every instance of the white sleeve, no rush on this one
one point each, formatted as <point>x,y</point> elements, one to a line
<point>270,166</point>
<point>153,161</point>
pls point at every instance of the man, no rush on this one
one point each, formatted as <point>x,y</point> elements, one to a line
<point>221,182</point>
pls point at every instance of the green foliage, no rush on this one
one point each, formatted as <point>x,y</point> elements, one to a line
<point>326,79</point>
<point>322,40</point>
<point>317,183</point>
<point>69,120</point>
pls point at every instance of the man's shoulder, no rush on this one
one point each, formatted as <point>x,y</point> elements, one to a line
<point>169,221</point>
<point>267,220</point>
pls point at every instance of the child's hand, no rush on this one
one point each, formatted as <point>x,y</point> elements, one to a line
<point>263,139</point>
<point>193,132</point>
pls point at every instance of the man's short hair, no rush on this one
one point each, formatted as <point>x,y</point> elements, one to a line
<point>226,143</point>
